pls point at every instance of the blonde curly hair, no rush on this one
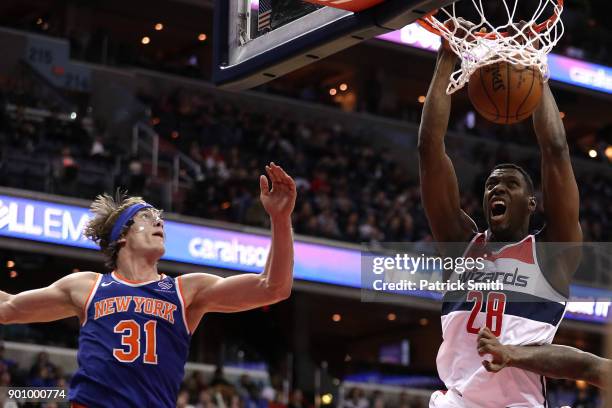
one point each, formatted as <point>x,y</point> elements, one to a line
<point>106,210</point>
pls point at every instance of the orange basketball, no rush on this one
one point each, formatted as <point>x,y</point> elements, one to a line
<point>505,93</point>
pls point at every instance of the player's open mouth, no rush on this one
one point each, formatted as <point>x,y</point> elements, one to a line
<point>159,234</point>
<point>498,209</point>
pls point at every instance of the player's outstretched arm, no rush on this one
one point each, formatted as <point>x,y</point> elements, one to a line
<point>560,191</point>
<point>439,186</point>
<point>549,360</point>
<point>209,293</point>
<point>64,298</point>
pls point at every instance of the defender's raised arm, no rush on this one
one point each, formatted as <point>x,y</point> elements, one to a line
<point>210,293</point>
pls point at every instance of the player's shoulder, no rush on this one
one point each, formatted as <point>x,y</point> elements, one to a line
<point>79,279</point>
<point>198,278</point>
<point>197,275</point>
<point>192,283</point>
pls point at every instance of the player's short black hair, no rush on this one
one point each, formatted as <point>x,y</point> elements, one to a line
<point>518,168</point>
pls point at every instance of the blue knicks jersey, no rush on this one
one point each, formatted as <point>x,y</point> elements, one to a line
<point>133,344</point>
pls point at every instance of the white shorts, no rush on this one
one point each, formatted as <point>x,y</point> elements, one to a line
<point>446,399</point>
<point>451,399</point>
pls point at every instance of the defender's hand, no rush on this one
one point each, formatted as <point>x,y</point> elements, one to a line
<point>489,344</point>
<point>280,200</point>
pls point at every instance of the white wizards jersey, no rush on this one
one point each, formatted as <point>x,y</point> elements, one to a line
<point>526,312</point>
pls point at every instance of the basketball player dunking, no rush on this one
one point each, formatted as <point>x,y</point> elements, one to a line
<point>508,204</point>
<point>136,323</point>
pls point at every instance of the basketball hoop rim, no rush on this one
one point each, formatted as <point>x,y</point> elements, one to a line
<point>427,24</point>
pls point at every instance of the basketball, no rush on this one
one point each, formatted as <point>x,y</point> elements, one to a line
<point>505,93</point>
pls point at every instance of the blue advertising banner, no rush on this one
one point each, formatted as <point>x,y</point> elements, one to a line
<point>196,244</point>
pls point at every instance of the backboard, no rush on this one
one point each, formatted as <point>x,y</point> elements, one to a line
<point>256,41</point>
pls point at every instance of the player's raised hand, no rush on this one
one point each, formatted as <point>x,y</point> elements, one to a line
<point>278,201</point>
<point>488,344</point>
<point>525,33</point>
<point>461,29</point>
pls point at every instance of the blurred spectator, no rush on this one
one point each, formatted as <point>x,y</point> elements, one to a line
<point>218,378</point>
<point>182,400</point>
<point>8,363</point>
<point>254,398</point>
<point>136,179</point>
<point>404,400</point>
<point>377,400</point>
<point>42,361</point>
<point>97,148</point>
<point>356,399</point>
<point>296,400</point>
<point>5,378</point>
<point>195,383</point>
<point>205,400</point>
<point>44,377</point>
<point>66,173</point>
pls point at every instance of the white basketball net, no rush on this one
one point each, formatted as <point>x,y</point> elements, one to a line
<point>522,45</point>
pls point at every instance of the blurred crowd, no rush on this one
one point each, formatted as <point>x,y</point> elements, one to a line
<point>45,147</point>
<point>220,392</point>
<point>350,188</point>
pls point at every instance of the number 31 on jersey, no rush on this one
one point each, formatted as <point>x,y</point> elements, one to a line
<point>130,340</point>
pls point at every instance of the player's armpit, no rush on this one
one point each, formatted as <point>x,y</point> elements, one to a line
<point>64,298</point>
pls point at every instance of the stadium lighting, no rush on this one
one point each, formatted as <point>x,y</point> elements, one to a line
<point>39,21</point>
<point>608,152</point>
<point>592,153</point>
<point>562,114</point>
<point>343,87</point>
<point>13,274</point>
<point>336,317</point>
<point>145,40</point>
<point>333,91</point>
<point>174,134</point>
<point>326,399</point>
<point>202,37</point>
<point>423,321</point>
<point>391,317</point>
<point>10,264</point>
<point>159,27</point>
<point>421,99</point>
<point>73,115</point>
